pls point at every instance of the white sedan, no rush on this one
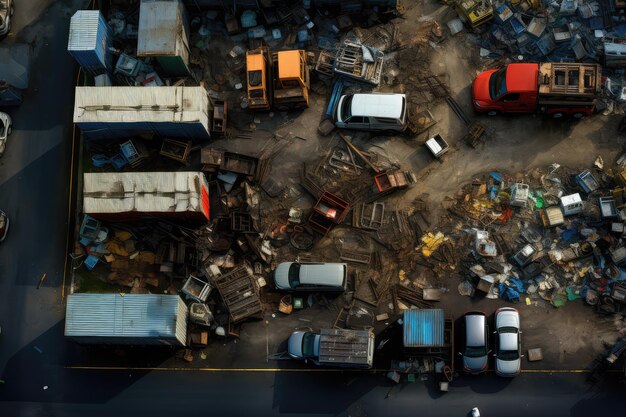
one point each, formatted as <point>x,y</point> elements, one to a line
<point>5,130</point>
<point>508,342</point>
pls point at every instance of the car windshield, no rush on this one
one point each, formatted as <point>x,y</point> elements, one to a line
<point>345,109</point>
<point>475,351</point>
<point>294,275</point>
<point>497,83</point>
<point>308,342</point>
<point>508,355</point>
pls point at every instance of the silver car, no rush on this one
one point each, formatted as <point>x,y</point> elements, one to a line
<point>295,276</point>
<point>476,347</point>
<point>508,342</point>
<point>6,12</point>
<point>5,130</point>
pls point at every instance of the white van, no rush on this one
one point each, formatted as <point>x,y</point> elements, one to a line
<point>376,111</point>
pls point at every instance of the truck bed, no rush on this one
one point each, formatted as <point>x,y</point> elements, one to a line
<point>570,79</point>
<point>353,348</point>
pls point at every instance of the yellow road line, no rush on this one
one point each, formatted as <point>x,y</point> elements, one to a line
<point>261,370</point>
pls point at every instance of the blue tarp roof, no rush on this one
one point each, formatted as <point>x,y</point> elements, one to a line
<point>424,328</point>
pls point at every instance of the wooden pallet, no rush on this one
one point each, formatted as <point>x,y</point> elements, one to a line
<point>239,292</point>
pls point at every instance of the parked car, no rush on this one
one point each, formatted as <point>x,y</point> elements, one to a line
<point>296,276</point>
<point>508,342</point>
<point>5,130</point>
<point>6,12</point>
<point>4,225</point>
<point>376,112</point>
<point>476,343</point>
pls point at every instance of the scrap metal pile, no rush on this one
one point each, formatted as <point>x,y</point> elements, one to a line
<point>552,234</point>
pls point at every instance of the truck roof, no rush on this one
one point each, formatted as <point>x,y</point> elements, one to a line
<point>255,60</point>
<point>522,77</point>
<point>289,64</point>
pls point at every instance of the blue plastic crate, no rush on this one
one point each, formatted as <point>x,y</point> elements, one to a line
<point>90,262</point>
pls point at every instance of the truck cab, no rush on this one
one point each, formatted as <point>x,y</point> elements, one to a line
<point>512,89</point>
<point>257,73</point>
<point>304,345</point>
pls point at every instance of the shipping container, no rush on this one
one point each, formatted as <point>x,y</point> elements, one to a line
<point>118,112</point>
<point>119,196</point>
<point>424,328</point>
<point>129,319</point>
<point>89,41</point>
<point>163,34</point>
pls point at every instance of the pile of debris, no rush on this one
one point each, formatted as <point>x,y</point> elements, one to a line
<point>554,234</point>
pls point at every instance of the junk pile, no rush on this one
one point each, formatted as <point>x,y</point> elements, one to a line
<point>553,234</point>
<point>550,31</point>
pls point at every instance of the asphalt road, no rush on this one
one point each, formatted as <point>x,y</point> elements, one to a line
<point>167,393</point>
<point>34,187</point>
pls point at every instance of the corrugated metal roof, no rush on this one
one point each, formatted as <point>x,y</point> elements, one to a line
<point>84,30</point>
<point>142,104</point>
<point>424,328</point>
<point>162,30</point>
<point>89,41</point>
<point>153,316</point>
<point>150,192</point>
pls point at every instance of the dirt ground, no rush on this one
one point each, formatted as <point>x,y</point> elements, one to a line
<point>570,336</point>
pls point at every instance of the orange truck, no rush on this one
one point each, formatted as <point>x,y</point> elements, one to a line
<point>553,89</point>
<point>278,79</point>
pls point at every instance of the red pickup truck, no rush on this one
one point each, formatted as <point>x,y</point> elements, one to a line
<point>554,89</point>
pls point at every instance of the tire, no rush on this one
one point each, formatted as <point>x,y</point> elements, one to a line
<point>492,113</point>
<point>9,130</point>
<point>578,115</point>
<point>557,115</point>
<point>11,11</point>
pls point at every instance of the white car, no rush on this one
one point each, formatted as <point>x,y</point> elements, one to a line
<point>5,130</point>
<point>508,342</point>
<point>6,11</point>
<point>295,276</point>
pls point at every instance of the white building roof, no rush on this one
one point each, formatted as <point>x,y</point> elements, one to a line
<point>152,192</point>
<point>161,30</point>
<point>142,104</point>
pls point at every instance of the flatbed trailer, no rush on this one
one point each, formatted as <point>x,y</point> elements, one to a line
<point>346,348</point>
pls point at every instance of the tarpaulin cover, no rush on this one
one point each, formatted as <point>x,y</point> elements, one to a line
<point>518,284</point>
<point>508,293</point>
<point>569,234</point>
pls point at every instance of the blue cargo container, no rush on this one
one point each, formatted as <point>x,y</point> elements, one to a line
<point>424,328</point>
<point>89,41</point>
